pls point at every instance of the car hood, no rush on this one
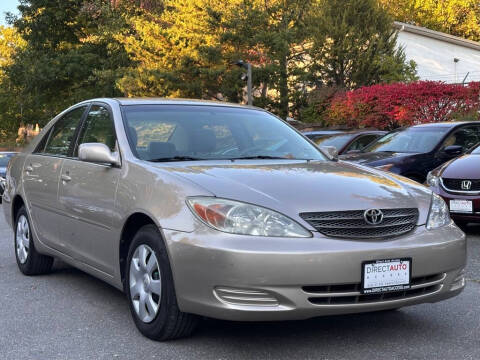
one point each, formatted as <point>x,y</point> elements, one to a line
<point>464,167</point>
<point>293,187</point>
<point>374,157</point>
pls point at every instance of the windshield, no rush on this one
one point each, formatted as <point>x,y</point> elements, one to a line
<point>192,132</point>
<point>410,140</point>
<point>339,141</point>
<point>4,158</point>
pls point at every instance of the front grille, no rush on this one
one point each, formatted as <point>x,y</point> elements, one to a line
<point>456,184</point>
<point>350,293</point>
<point>351,224</point>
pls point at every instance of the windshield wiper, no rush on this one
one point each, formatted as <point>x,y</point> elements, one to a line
<point>177,158</point>
<point>260,157</point>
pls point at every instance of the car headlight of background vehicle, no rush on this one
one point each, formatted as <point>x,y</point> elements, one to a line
<point>439,214</point>
<point>432,179</point>
<point>236,217</point>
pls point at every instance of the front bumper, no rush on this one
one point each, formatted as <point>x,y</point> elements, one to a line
<point>250,278</point>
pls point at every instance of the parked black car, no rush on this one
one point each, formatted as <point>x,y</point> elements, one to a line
<point>414,151</point>
<point>4,158</point>
<point>344,141</point>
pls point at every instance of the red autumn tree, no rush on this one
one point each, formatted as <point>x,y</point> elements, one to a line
<point>388,106</point>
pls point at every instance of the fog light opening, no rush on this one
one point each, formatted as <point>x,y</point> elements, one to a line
<point>245,297</point>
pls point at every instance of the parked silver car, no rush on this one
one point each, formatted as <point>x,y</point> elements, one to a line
<point>203,208</point>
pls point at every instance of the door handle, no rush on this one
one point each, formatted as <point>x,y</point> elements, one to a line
<point>28,168</point>
<point>66,178</point>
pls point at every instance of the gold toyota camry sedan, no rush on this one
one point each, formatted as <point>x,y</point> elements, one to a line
<point>197,208</point>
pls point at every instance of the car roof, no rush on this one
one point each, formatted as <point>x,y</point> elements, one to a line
<point>344,132</point>
<point>444,124</point>
<point>8,152</point>
<point>166,101</point>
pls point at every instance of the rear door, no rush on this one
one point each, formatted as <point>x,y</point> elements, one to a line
<point>41,174</point>
<point>87,195</point>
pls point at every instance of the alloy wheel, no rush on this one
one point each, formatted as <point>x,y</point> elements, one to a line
<point>145,283</point>
<point>22,239</point>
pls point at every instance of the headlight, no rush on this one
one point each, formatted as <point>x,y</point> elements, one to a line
<point>240,218</point>
<point>385,167</point>
<point>432,180</point>
<point>439,214</point>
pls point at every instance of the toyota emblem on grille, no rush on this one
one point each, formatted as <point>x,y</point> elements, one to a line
<point>466,185</point>
<point>373,216</point>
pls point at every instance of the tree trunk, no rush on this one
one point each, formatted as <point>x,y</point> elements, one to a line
<point>283,87</point>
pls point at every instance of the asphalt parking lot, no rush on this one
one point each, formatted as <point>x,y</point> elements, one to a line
<point>71,315</point>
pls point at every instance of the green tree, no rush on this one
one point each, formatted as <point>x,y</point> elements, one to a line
<point>69,56</point>
<point>456,17</point>
<point>10,44</point>
<point>355,46</point>
<point>272,35</point>
<point>176,53</point>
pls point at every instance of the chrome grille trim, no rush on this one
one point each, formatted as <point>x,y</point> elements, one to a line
<point>329,294</point>
<point>351,223</point>
<point>467,192</point>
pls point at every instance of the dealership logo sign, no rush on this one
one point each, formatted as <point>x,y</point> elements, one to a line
<point>466,185</point>
<point>373,216</point>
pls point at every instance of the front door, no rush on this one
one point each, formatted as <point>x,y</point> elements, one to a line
<point>41,174</point>
<point>87,196</point>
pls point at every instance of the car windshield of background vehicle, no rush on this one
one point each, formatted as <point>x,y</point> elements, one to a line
<point>339,141</point>
<point>189,132</point>
<point>411,140</point>
<point>4,158</point>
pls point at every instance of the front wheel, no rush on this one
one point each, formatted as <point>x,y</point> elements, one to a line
<point>150,291</point>
<point>29,261</point>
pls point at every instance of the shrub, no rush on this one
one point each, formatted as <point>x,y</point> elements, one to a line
<point>388,106</point>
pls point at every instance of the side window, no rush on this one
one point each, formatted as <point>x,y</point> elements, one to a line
<point>465,137</point>
<point>63,132</point>
<point>98,128</point>
<point>362,141</point>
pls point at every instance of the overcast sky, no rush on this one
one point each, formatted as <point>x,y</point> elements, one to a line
<point>7,6</point>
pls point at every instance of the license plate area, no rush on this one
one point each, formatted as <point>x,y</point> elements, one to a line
<point>383,276</point>
<point>461,206</point>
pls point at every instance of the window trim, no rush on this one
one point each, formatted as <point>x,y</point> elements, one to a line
<point>81,126</point>
<point>42,152</point>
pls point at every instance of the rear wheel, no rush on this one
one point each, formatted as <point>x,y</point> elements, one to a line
<point>29,261</point>
<point>150,291</point>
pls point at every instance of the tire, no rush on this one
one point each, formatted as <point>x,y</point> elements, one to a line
<point>29,261</point>
<point>156,316</point>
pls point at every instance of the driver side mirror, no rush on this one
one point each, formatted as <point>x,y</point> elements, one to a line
<point>453,150</point>
<point>98,153</point>
<point>331,152</point>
